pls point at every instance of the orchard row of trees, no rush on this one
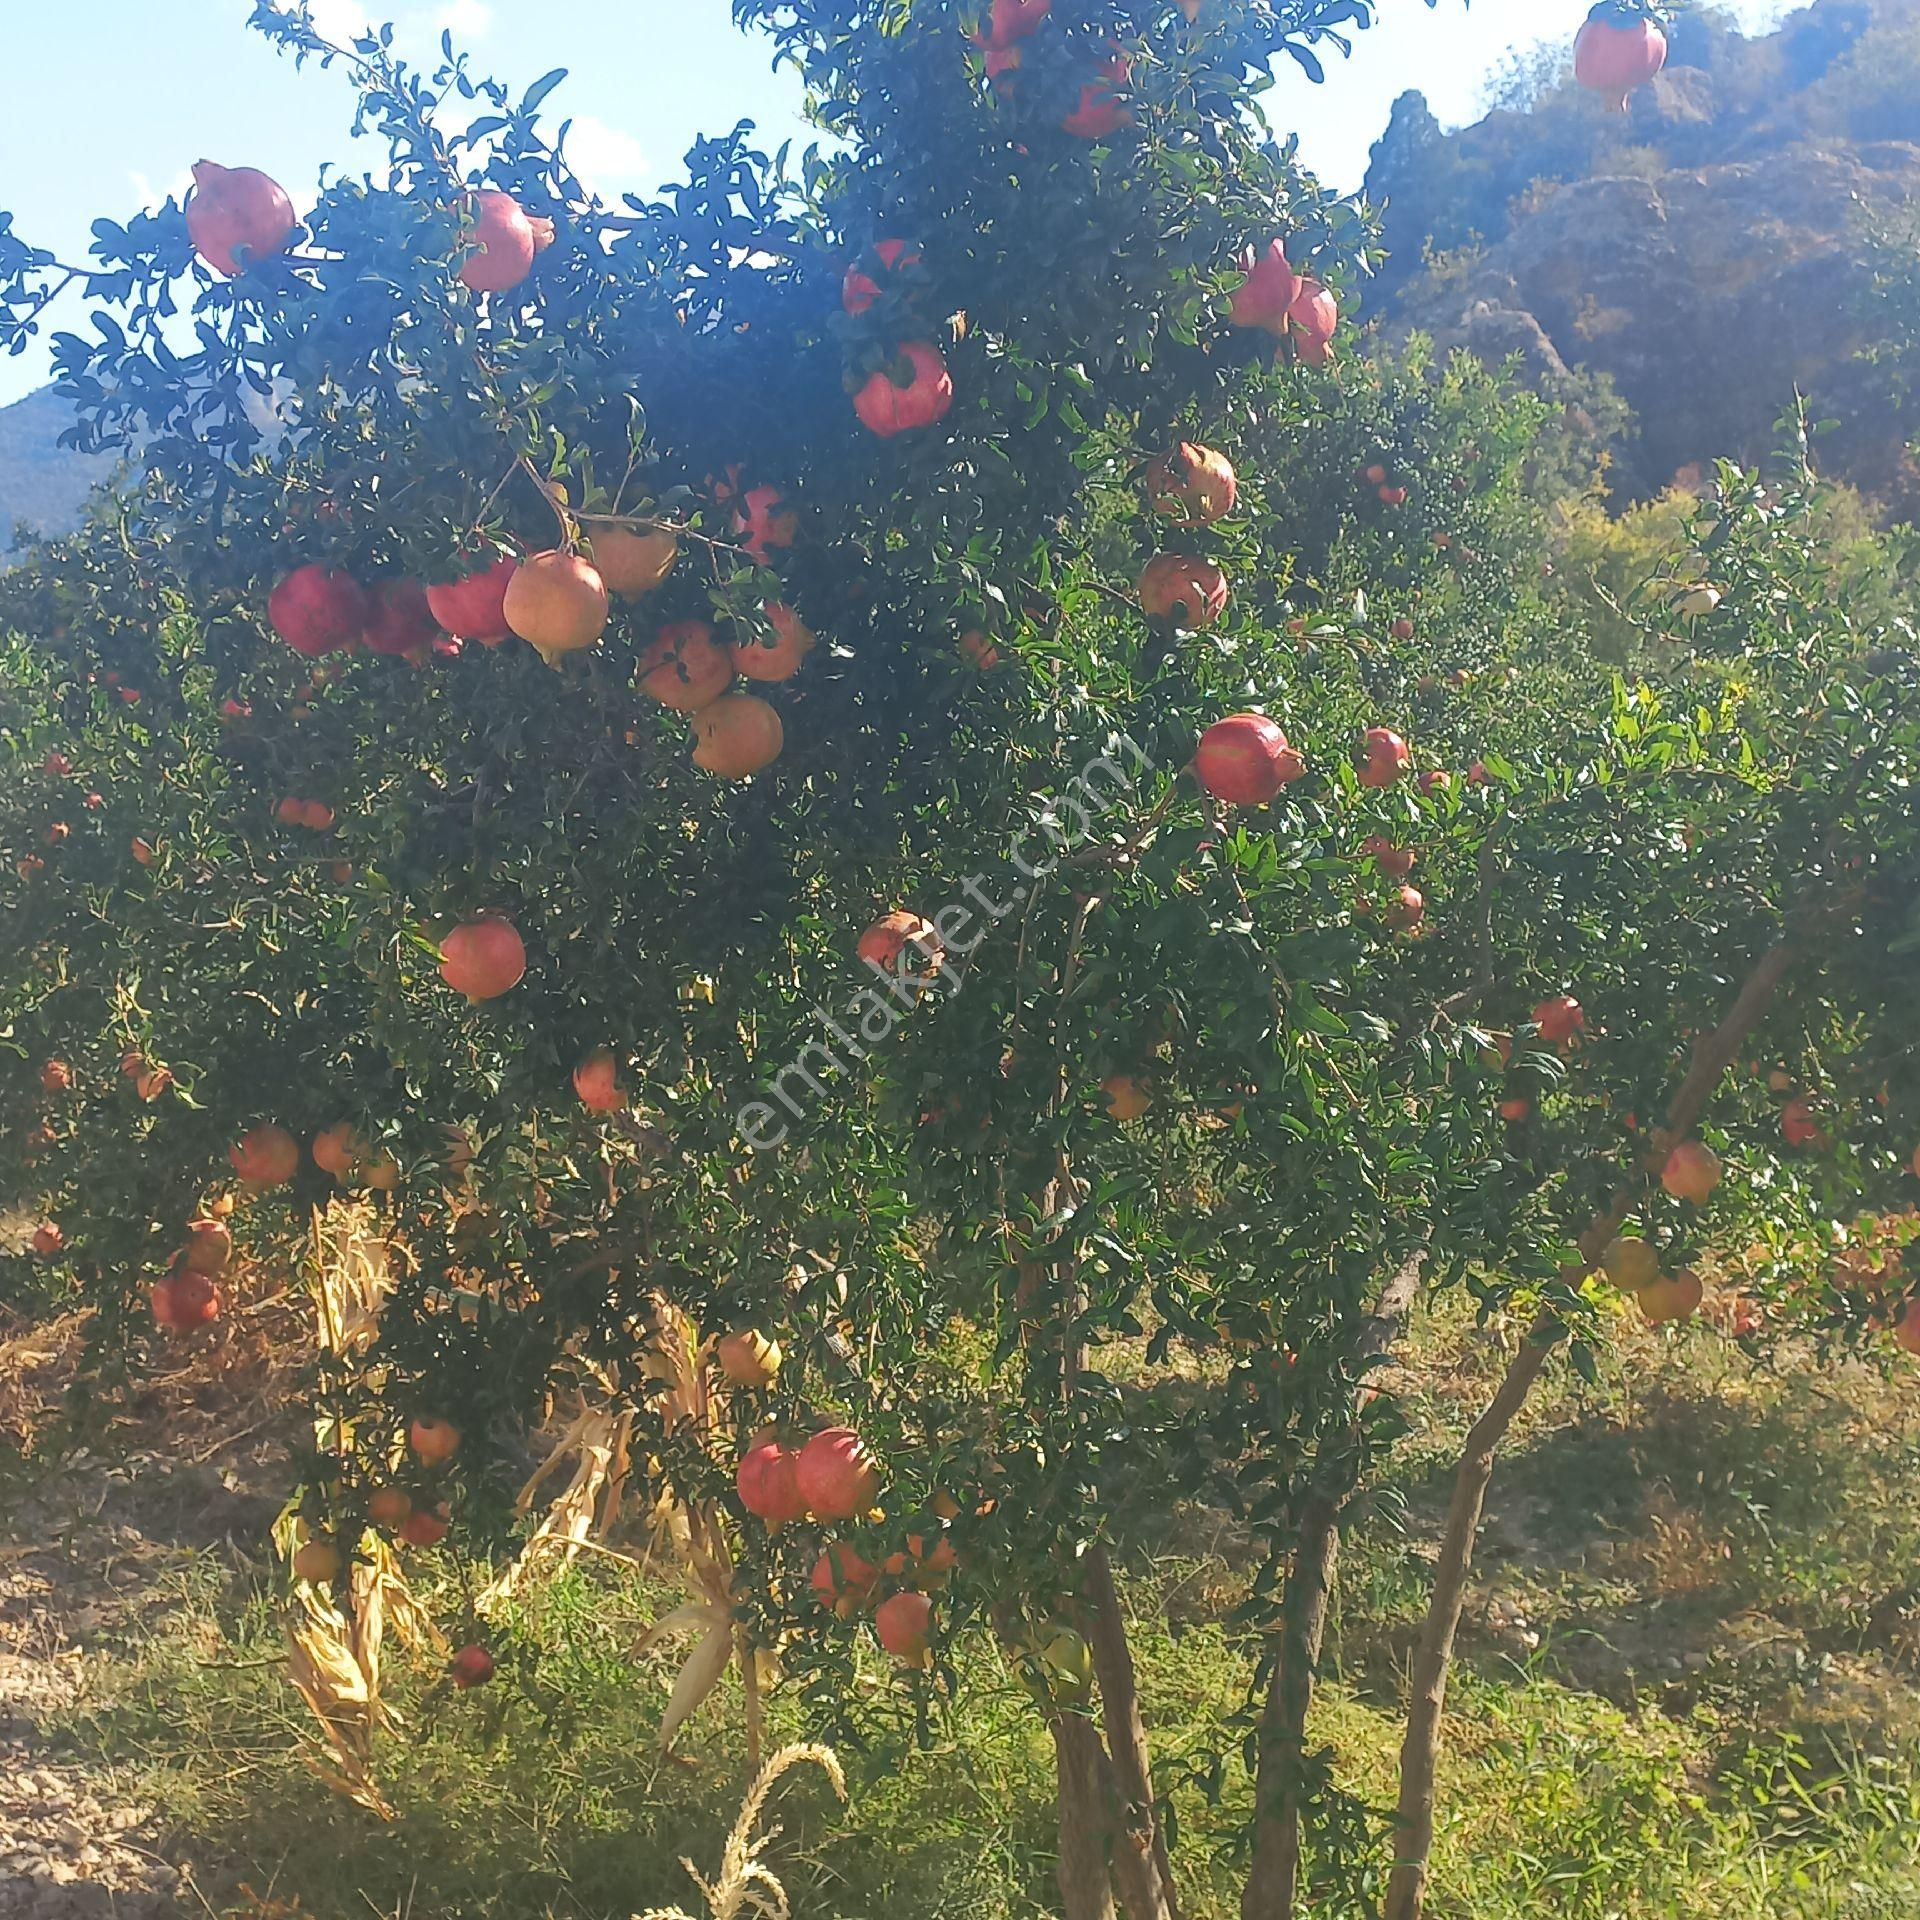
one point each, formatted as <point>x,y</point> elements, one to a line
<point>353,845</point>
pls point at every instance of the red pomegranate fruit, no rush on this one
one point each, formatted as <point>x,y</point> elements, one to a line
<point>793,640</point>
<point>1617,50</point>
<point>842,1579</point>
<point>913,390</point>
<point>1264,298</point>
<point>318,610</point>
<point>685,667</point>
<point>1395,862</point>
<point>474,607</point>
<point>1192,486</point>
<point>1797,1123</point>
<point>903,1623</point>
<point>471,1667</point>
<point>597,1081</point>
<point>1183,589</point>
<point>766,1483</point>
<point>1245,760</point>
<point>48,1237</point>
<point>425,1526</point>
<point>266,1157</point>
<point>738,736</point>
<point>762,520</point>
<point>1692,1172</point>
<point>1405,910</point>
<point>433,1441</point>
<point>836,1475</point>
<point>236,217</point>
<point>557,603</point>
<point>483,958</point>
<point>893,934</point>
<point>196,1300</point>
<point>505,241</point>
<point>860,290</point>
<point>1012,20</point>
<point>1384,757</point>
<point>1101,112</point>
<point>400,622</point>
<point>1560,1019</point>
<point>1313,320</point>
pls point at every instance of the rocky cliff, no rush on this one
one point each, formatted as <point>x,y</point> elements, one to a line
<point>1711,250</point>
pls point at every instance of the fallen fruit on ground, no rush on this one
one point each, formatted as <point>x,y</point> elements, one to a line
<point>472,1666</point>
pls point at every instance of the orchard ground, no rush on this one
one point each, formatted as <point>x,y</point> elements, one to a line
<point>1690,1682</point>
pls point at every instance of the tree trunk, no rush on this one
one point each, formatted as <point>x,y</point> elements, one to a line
<point>1141,1867</point>
<point>1272,1889</point>
<point>1419,1753</point>
<point>1086,1888</point>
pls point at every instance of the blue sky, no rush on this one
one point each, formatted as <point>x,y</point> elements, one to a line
<point>160,83</point>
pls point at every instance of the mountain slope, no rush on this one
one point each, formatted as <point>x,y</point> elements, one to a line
<point>42,484</point>
<point>1711,251</point>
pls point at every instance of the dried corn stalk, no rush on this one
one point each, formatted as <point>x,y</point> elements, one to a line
<point>745,1884</point>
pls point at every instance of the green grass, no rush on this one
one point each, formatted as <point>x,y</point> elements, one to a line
<point>1687,1687</point>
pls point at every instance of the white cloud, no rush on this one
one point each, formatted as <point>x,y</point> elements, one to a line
<point>152,198</point>
<point>467,19</point>
<point>608,159</point>
<point>340,21</point>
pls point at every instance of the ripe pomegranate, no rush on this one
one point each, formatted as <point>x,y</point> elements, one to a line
<point>557,603</point>
<point>483,958</point>
<point>978,651</point>
<point>597,1081</point>
<point>56,1076</point>
<point>763,520</point>
<point>1384,757</point>
<point>1265,296</point>
<point>1617,50</point>
<point>506,242</point>
<point>1691,1173</point>
<point>151,1082</point>
<point>842,1579</point>
<point>793,640</point>
<point>48,1238</point>
<point>685,668</point>
<point>1402,629</point>
<point>1245,760</point>
<point>924,1564</point>
<point>1560,1019</point>
<point>340,1151</point>
<point>236,217</point>
<point>471,1667</point>
<point>748,1358</point>
<point>1477,774</point>
<point>1393,496</point>
<point>1798,1124</point>
<point>317,610</point>
<point>738,735</point>
<point>1395,862</point>
<point>1127,1098</point>
<point>194,1300</point>
<point>474,607</point>
<point>56,765</point>
<point>1675,1299</point>
<point>897,934</point>
<point>1100,113</point>
<point>1192,486</point>
<point>266,1157</point>
<point>913,390</point>
<point>1011,20</point>
<point>836,1475</point>
<point>1630,1263</point>
<point>1405,910</point>
<point>1180,588</point>
<point>859,291</point>
<point>633,564</point>
<point>319,1562</point>
<point>904,1624</point>
<point>389,1507</point>
<point>433,1441</point>
<point>1513,1112</point>
<point>400,623</point>
<point>209,1248</point>
<point>425,1527</point>
<point>766,1482</point>
<point>1313,319</point>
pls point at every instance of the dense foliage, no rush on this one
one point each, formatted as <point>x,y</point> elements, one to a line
<point>1183,1094</point>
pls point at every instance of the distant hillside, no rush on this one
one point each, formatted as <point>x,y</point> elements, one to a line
<point>41,483</point>
<point>1709,250</point>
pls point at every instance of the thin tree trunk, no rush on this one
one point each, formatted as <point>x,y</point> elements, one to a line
<point>1141,1866</point>
<point>1272,1889</point>
<point>1419,1753</point>
<point>1086,1887</point>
